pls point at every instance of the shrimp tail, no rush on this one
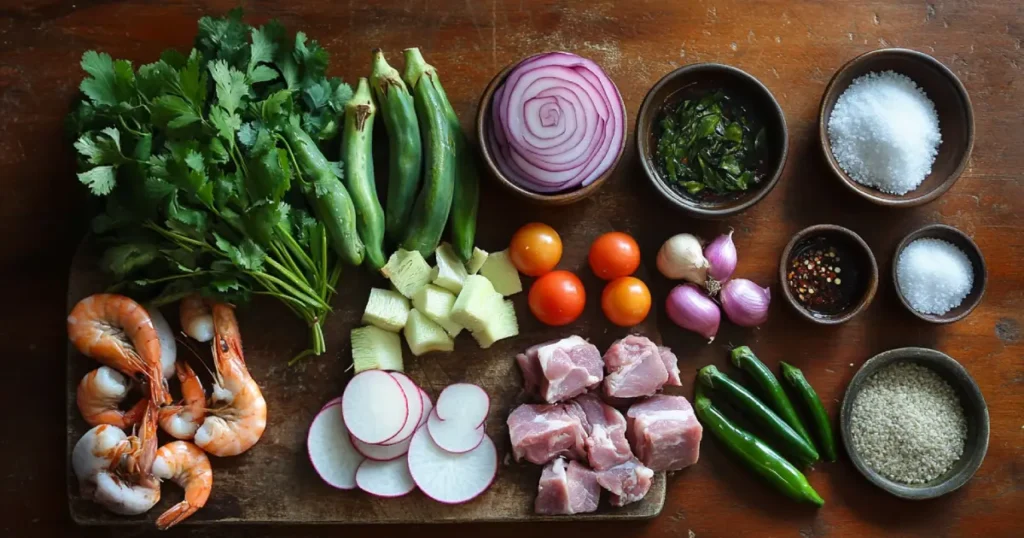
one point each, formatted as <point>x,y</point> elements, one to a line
<point>136,413</point>
<point>176,514</point>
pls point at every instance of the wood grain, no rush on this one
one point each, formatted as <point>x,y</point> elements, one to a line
<point>793,46</point>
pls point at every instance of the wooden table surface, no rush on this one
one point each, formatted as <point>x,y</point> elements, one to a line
<point>792,46</point>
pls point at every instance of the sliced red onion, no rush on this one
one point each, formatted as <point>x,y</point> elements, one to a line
<point>745,303</point>
<point>689,308</point>
<point>557,123</point>
<point>721,255</point>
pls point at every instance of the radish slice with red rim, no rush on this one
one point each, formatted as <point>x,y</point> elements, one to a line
<point>428,407</point>
<point>330,449</point>
<point>451,478</point>
<point>381,452</point>
<point>385,478</point>
<point>374,406</point>
<point>332,401</point>
<point>453,435</point>
<point>463,402</point>
<point>414,399</point>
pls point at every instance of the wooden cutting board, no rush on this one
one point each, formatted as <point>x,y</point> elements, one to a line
<point>274,481</point>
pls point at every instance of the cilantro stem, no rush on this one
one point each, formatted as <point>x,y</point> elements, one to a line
<point>293,246</point>
<point>300,283</point>
<point>295,293</point>
<point>289,262</point>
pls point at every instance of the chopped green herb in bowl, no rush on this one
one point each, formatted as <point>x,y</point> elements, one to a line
<point>709,145</point>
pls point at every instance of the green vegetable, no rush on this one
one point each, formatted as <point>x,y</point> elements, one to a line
<point>435,198</point>
<point>788,441</point>
<point>466,197</point>
<point>331,202</point>
<point>754,453</point>
<point>822,424</point>
<point>743,357</point>
<point>203,161</point>
<point>356,155</point>
<point>405,151</point>
<point>709,143</point>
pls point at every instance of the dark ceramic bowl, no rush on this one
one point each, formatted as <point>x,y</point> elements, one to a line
<point>695,80</point>
<point>483,126</point>
<point>863,271</point>
<point>956,121</point>
<point>964,243</point>
<point>975,411</point>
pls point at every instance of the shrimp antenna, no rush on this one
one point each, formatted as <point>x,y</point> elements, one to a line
<point>185,342</point>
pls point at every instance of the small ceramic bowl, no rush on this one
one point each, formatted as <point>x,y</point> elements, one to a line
<point>862,271</point>
<point>695,80</point>
<point>956,121</point>
<point>970,248</point>
<point>975,411</point>
<point>484,126</point>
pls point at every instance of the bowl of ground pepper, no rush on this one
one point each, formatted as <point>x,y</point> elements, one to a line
<point>828,274</point>
<point>915,423</point>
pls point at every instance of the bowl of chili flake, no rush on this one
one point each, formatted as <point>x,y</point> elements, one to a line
<point>828,274</point>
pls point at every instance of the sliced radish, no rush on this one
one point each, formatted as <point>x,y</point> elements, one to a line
<point>428,406</point>
<point>381,452</point>
<point>330,449</point>
<point>454,436</point>
<point>332,401</point>
<point>451,478</point>
<point>385,478</point>
<point>415,403</point>
<point>463,402</point>
<point>374,406</point>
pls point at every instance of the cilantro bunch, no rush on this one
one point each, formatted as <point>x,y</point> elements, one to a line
<point>202,192</point>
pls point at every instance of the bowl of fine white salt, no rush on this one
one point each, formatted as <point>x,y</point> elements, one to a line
<point>939,273</point>
<point>896,127</point>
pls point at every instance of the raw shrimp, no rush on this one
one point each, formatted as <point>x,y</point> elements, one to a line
<point>196,319</point>
<point>101,392</point>
<point>187,466</point>
<point>119,333</point>
<point>115,471</point>
<point>182,420</point>
<point>239,424</point>
<point>168,347</point>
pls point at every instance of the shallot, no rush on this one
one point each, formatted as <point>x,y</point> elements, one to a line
<point>745,303</point>
<point>689,308</point>
<point>721,255</point>
<point>681,258</point>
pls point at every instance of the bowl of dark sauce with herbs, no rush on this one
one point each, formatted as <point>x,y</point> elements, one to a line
<point>712,139</point>
<point>828,274</point>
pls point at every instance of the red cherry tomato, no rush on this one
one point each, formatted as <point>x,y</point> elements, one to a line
<point>535,249</point>
<point>614,255</point>
<point>626,301</point>
<point>557,298</point>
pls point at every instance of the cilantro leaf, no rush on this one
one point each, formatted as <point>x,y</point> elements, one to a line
<point>110,83</point>
<point>247,255</point>
<point>100,180</point>
<point>311,58</point>
<point>101,148</point>
<point>156,78</point>
<point>224,38</point>
<point>261,220</point>
<point>337,168</point>
<point>173,112</point>
<point>226,123</point>
<point>262,50</point>
<point>269,175</point>
<point>123,259</point>
<point>230,85</point>
<point>276,107</point>
<point>192,80</point>
<point>247,134</point>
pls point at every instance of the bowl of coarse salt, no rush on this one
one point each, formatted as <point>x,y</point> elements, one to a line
<point>896,127</point>
<point>915,423</point>
<point>939,273</point>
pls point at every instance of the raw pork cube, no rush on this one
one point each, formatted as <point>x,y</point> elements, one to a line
<point>671,366</point>
<point>635,368</point>
<point>540,433</point>
<point>627,482</point>
<point>566,489</point>
<point>606,433</point>
<point>664,432</point>
<point>562,369</point>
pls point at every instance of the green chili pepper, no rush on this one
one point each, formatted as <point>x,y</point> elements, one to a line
<point>822,423</point>
<point>787,439</point>
<point>772,391</point>
<point>754,453</point>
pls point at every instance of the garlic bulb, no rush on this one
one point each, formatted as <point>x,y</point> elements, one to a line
<point>682,258</point>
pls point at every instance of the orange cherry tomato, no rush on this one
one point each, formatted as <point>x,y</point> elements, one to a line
<point>535,249</point>
<point>557,298</point>
<point>614,255</point>
<point>626,301</point>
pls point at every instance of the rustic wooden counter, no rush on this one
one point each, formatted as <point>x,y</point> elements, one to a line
<point>793,47</point>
